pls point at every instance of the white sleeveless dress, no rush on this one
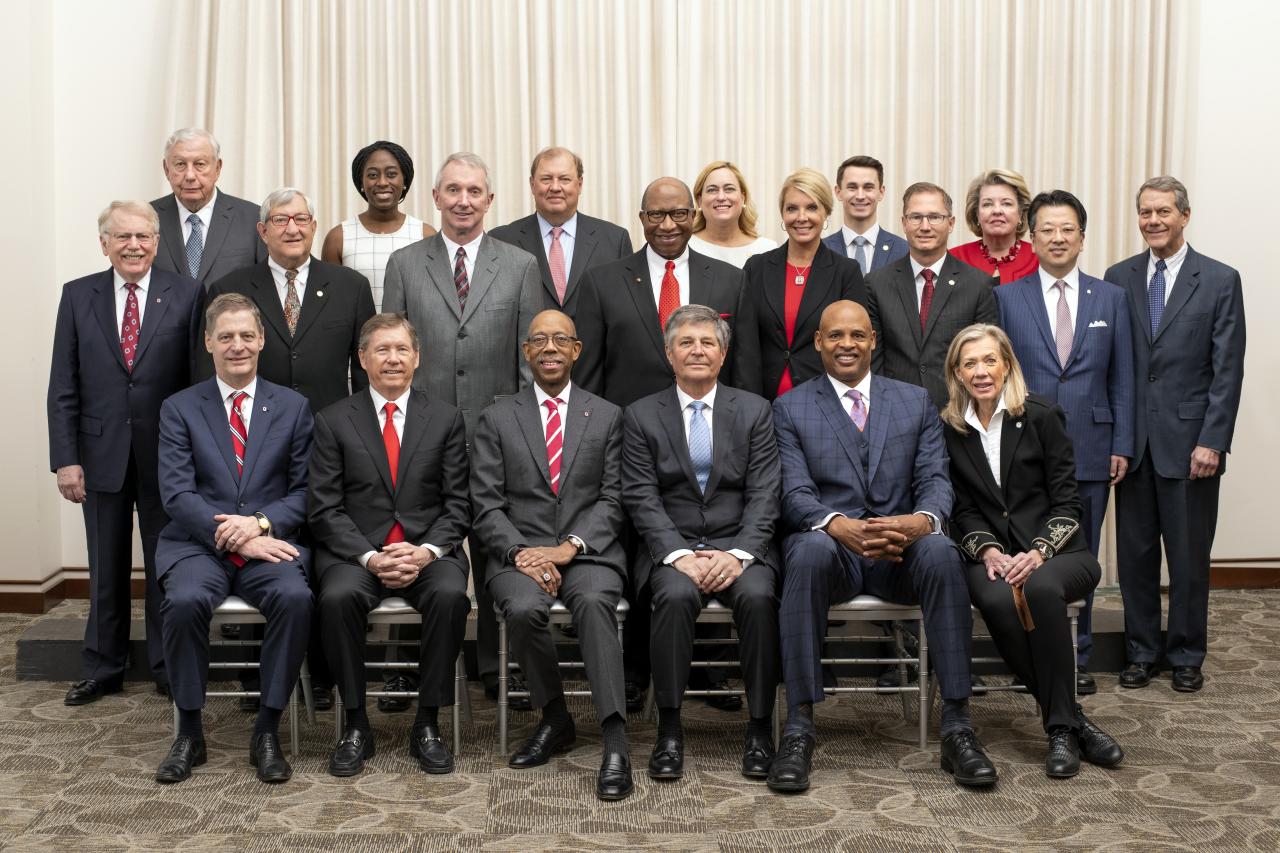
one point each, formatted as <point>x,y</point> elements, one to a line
<point>367,253</point>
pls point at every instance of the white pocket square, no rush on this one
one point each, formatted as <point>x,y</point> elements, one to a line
<point>1098,324</point>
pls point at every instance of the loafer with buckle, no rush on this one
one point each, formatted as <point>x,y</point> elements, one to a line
<point>398,683</point>
<point>91,690</point>
<point>426,745</point>
<point>1138,674</point>
<point>757,756</point>
<point>266,755</point>
<point>667,760</point>
<point>614,781</point>
<point>1097,746</point>
<point>789,771</point>
<point>1063,760</point>
<point>183,755</point>
<point>545,742</point>
<point>963,758</point>
<point>1085,685</point>
<point>1187,679</point>
<point>349,755</point>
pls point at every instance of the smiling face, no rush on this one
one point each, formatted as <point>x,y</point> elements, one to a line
<point>192,172</point>
<point>802,217</point>
<point>845,340</point>
<point>289,244</point>
<point>235,342</point>
<point>1161,222</point>
<point>131,245</point>
<point>551,348</point>
<point>462,200</point>
<point>556,186</point>
<point>696,356</point>
<point>982,370</point>
<point>998,213</point>
<point>859,193</point>
<point>1057,239</point>
<point>721,199</point>
<point>927,237</point>
<point>668,238</point>
<point>390,359</point>
<point>382,182</point>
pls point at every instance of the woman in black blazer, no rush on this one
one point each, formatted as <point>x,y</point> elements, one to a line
<point>785,290</point>
<point>1017,520</point>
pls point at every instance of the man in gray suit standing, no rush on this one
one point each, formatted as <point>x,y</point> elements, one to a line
<point>204,234</point>
<point>546,486</point>
<point>471,298</point>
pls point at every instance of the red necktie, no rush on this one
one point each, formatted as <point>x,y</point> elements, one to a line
<point>926,298</point>
<point>239,433</point>
<point>669,296</point>
<point>555,260</point>
<point>555,440</point>
<point>392,442</point>
<point>130,327</point>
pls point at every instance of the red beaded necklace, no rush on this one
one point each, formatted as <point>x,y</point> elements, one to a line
<point>996,262</point>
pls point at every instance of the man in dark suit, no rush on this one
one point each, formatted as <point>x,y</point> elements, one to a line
<point>1187,313</point>
<point>565,242</point>
<point>860,189</point>
<point>1071,335</point>
<point>865,492</point>
<point>388,507</point>
<point>546,486</point>
<point>204,234</point>
<point>233,477</point>
<point>120,347</point>
<point>700,481</point>
<point>918,303</point>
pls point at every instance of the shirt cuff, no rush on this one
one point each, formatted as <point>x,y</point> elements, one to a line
<point>933,520</point>
<point>746,558</point>
<point>821,525</point>
<point>434,549</point>
<point>365,557</point>
<point>675,555</point>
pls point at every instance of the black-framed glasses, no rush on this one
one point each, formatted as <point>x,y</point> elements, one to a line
<point>561,340</point>
<point>678,216</point>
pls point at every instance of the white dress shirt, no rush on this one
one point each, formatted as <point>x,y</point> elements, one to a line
<point>990,435</point>
<point>568,233</point>
<point>122,295</point>
<point>563,406</point>
<point>282,282</point>
<point>1171,267</point>
<point>206,217</point>
<point>473,250</point>
<point>658,269</point>
<point>246,406</point>
<point>872,235</point>
<point>1048,284</point>
<point>917,269</point>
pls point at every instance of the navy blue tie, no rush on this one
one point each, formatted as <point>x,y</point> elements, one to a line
<point>1155,297</point>
<point>699,444</point>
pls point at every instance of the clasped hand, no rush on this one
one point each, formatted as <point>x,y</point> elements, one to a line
<point>543,564</point>
<point>710,570</point>
<point>397,565</point>
<point>1014,569</point>
<point>880,538</point>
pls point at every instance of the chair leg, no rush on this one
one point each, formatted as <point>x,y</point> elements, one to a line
<point>650,703</point>
<point>926,695</point>
<point>339,715</point>
<point>293,723</point>
<point>502,684</point>
<point>901,652</point>
<point>306,693</point>
<point>175,720</point>
<point>459,690</point>
<point>779,708</point>
<point>463,694</point>
<point>1075,652</point>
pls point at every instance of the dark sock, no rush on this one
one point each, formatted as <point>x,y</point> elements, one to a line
<point>669,723</point>
<point>556,714</point>
<point>191,724</point>
<point>955,716</point>
<point>760,725</point>
<point>615,734</point>
<point>800,720</point>
<point>428,715</point>
<point>268,721</point>
<point>358,718</point>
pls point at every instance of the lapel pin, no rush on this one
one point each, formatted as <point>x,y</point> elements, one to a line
<point>1088,291</point>
<point>1018,424</point>
<point>638,279</point>
<point>885,247</point>
<point>951,282</point>
<point>264,408</point>
<point>319,293</point>
<point>157,300</point>
<point>586,414</point>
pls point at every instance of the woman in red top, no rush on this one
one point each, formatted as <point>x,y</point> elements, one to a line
<point>996,209</point>
<point>785,290</point>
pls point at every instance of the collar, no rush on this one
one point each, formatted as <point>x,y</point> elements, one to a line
<point>542,396</point>
<point>570,226</point>
<point>402,402</point>
<point>971,415</point>
<point>280,271</point>
<point>473,248</point>
<point>936,266</point>
<point>1072,279</point>
<point>656,261</point>
<point>1171,263</point>
<point>205,213</point>
<point>863,388</point>
<point>143,283</point>
<point>226,390</point>
<point>709,398</point>
<point>872,234</point>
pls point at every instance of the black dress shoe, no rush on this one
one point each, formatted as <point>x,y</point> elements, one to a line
<point>614,781</point>
<point>426,745</point>
<point>514,703</point>
<point>349,755</point>
<point>1085,685</point>
<point>1187,679</point>
<point>635,697</point>
<point>545,742</point>
<point>322,696</point>
<point>1138,674</point>
<point>91,690</point>
<point>891,678</point>
<point>1097,746</point>
<point>723,703</point>
<point>789,772</point>
<point>229,631</point>
<point>963,758</point>
<point>667,760</point>
<point>757,755</point>
<point>183,755</point>
<point>1063,760</point>
<point>266,755</point>
<point>394,705</point>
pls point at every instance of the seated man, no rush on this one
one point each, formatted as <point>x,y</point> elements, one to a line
<point>700,480</point>
<point>233,478</point>
<point>864,493</point>
<point>388,507</point>
<point>547,488</point>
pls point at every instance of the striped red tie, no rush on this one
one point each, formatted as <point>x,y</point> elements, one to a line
<point>238,435</point>
<point>555,439</point>
<point>392,442</point>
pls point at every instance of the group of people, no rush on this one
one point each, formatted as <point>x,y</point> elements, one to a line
<point>779,428</point>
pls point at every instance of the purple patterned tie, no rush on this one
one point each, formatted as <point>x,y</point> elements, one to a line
<point>460,277</point>
<point>1062,332</point>
<point>859,410</point>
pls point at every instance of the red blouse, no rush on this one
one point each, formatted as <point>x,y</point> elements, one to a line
<point>1024,263</point>
<point>792,294</point>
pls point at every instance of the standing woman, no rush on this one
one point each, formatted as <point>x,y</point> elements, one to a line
<point>785,290</point>
<point>382,173</point>
<point>724,225</point>
<point>996,210</point>
<point>1017,520</point>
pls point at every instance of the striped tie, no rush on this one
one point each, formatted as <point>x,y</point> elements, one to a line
<point>555,441</point>
<point>238,435</point>
<point>460,277</point>
<point>1062,332</point>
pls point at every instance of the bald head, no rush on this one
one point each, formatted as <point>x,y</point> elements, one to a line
<point>551,348</point>
<point>672,184</point>
<point>845,341</point>
<point>552,318</point>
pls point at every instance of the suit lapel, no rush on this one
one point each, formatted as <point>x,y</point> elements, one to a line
<point>1137,287</point>
<point>483,275</point>
<point>817,291</point>
<point>942,287</point>
<point>1185,284</point>
<point>268,300</point>
<point>259,425</point>
<point>529,418</point>
<point>215,414</point>
<point>219,227</point>
<point>1033,305</point>
<point>171,233</point>
<point>972,443</point>
<point>1010,434</point>
<point>575,418</point>
<point>531,241</point>
<point>158,299</point>
<point>584,243</point>
<point>104,308</point>
<point>364,420</point>
<point>722,418</point>
<point>317,298</point>
<point>641,291</point>
<point>440,271</point>
<point>841,427</point>
<point>775,296</point>
<point>1085,300</point>
<point>878,424</point>
<point>905,283</point>
<point>672,418</point>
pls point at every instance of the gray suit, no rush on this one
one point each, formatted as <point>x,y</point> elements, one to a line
<point>231,243</point>
<point>596,242</point>
<point>515,507</point>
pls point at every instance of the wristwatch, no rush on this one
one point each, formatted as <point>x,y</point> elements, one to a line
<point>576,543</point>
<point>1045,550</point>
<point>264,524</point>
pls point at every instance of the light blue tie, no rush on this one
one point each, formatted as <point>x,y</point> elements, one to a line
<point>195,245</point>
<point>860,254</point>
<point>700,444</point>
<point>1155,297</point>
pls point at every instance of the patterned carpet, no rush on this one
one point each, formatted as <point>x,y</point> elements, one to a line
<point>1202,772</point>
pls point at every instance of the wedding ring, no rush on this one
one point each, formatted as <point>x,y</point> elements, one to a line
<point>546,577</point>
<point>722,576</point>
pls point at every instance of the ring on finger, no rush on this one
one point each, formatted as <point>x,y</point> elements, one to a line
<point>546,576</point>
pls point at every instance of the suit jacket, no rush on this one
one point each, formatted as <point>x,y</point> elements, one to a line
<point>660,490</point>
<point>1188,376</point>
<point>232,241</point>
<point>317,359</point>
<point>469,357</point>
<point>198,468</point>
<point>351,502</point>
<point>962,296</point>
<point>1095,388</point>
<point>596,242</point>
<point>1037,500</point>
<point>760,347</point>
<point>890,248</point>
<point>97,410</point>
<point>623,357</point>
<point>511,483</point>
<point>821,467</point>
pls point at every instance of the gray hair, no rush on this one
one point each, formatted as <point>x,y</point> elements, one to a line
<point>137,208</point>
<point>687,315</point>
<point>284,195</point>
<point>466,158</point>
<point>191,134</point>
<point>1168,184</point>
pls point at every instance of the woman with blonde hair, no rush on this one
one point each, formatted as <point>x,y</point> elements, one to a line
<point>995,208</point>
<point>724,224</point>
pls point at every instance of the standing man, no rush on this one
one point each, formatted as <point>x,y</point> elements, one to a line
<point>471,298</point>
<point>565,242</point>
<point>233,476</point>
<point>120,347</point>
<point>389,508</point>
<point>918,303</point>
<point>546,485</point>
<point>204,234</point>
<point>860,189</point>
<point>1187,312</point>
<point>1071,334</point>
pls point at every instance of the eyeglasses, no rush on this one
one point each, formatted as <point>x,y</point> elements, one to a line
<point>142,238</point>
<point>561,340</point>
<point>281,220</point>
<point>1049,233</point>
<point>934,218</point>
<point>678,215</point>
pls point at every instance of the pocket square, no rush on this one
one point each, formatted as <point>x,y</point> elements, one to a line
<point>1098,324</point>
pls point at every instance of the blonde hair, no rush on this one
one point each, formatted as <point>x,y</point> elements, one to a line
<point>812,183</point>
<point>991,178</point>
<point>746,219</point>
<point>1015,386</point>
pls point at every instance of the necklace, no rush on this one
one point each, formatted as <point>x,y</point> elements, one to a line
<point>996,262</point>
<point>800,274</point>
